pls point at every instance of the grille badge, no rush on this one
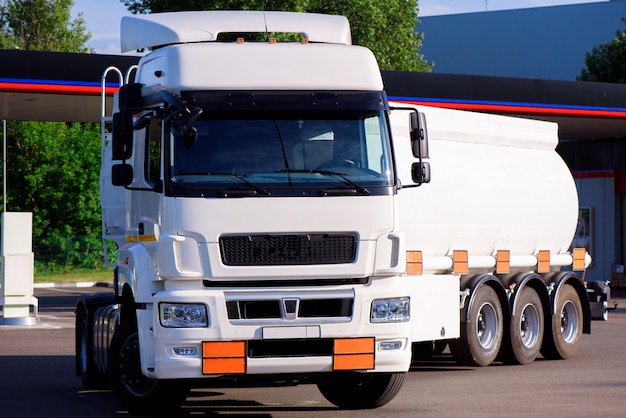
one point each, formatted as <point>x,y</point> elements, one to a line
<point>290,308</point>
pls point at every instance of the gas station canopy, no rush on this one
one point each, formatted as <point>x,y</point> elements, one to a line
<point>54,86</point>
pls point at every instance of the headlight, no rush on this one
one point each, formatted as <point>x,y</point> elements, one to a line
<point>183,315</point>
<point>390,310</point>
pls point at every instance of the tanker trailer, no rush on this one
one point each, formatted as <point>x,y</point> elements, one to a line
<point>499,213</point>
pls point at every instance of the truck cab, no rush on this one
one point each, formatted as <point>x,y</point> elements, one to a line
<point>260,229</point>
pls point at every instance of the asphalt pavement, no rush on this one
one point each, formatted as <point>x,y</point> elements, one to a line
<point>37,379</point>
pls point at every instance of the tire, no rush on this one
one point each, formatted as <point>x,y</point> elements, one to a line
<point>86,367</point>
<point>565,326</point>
<point>137,392</point>
<point>527,327</point>
<point>363,391</point>
<point>481,335</point>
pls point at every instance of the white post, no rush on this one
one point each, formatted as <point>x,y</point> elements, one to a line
<point>17,303</point>
<point>4,166</point>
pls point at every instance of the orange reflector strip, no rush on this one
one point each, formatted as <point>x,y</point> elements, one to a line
<point>414,263</point>
<point>224,366</point>
<point>354,345</point>
<point>543,261</point>
<point>579,259</point>
<point>460,261</point>
<point>503,261</point>
<point>224,349</point>
<point>272,40</point>
<point>354,362</point>
<point>354,354</point>
<point>222,357</point>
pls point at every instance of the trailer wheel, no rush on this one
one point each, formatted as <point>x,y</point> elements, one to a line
<point>137,392</point>
<point>86,367</point>
<point>527,327</point>
<point>565,330</point>
<point>481,335</point>
<point>363,391</point>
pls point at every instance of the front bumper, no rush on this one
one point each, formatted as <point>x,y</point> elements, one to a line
<point>275,346</point>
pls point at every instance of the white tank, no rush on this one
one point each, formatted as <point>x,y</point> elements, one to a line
<point>497,183</point>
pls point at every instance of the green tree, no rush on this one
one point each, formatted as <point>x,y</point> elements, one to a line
<point>52,167</point>
<point>386,27</point>
<point>53,172</point>
<point>42,25</point>
<point>607,62</point>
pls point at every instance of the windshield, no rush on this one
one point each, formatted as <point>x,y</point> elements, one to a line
<point>281,153</point>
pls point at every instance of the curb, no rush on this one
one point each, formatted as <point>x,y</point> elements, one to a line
<point>71,285</point>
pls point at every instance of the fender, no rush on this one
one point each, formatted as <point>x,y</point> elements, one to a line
<point>520,280</point>
<point>136,269</point>
<point>474,282</point>
<point>557,280</point>
<point>137,281</point>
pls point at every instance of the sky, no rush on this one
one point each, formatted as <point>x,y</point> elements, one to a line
<point>103,16</point>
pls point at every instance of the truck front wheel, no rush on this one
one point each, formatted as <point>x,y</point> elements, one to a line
<point>137,392</point>
<point>363,391</point>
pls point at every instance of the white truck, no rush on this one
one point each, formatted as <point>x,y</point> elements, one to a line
<point>271,229</point>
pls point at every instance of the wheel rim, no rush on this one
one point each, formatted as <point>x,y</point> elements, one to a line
<point>569,322</point>
<point>529,326</point>
<point>486,325</point>
<point>130,369</point>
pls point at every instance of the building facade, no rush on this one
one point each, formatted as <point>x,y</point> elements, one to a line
<point>540,43</point>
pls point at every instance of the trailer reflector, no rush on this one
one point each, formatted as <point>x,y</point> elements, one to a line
<point>543,261</point>
<point>579,259</point>
<point>224,357</point>
<point>460,261</point>
<point>503,261</point>
<point>414,263</point>
<point>354,354</point>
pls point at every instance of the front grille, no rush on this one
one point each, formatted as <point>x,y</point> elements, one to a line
<point>306,308</point>
<point>285,250</point>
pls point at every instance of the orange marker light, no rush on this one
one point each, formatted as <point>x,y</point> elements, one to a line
<point>579,259</point>
<point>414,263</point>
<point>460,260</point>
<point>543,261</point>
<point>503,261</point>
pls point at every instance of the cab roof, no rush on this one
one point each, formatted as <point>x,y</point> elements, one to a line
<point>161,29</point>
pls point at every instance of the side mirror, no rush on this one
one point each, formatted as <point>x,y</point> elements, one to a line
<point>419,135</point>
<point>122,136</point>
<point>130,96</point>
<point>420,173</point>
<point>121,174</point>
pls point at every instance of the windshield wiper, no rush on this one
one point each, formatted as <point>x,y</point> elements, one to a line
<point>253,191</point>
<point>355,188</point>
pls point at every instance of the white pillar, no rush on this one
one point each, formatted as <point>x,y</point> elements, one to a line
<point>18,304</point>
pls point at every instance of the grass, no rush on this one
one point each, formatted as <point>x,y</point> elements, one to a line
<point>100,276</point>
